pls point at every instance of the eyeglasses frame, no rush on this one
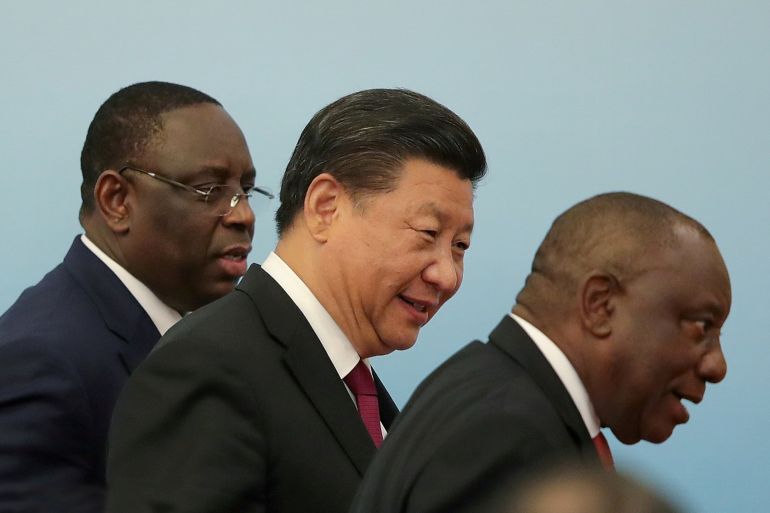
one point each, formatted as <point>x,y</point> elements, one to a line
<point>205,194</point>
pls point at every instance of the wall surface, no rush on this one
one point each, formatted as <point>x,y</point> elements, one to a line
<point>665,98</point>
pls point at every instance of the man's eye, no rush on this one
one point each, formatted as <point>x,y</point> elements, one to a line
<point>704,324</point>
<point>461,245</point>
<point>702,327</point>
<point>430,233</point>
<point>213,192</point>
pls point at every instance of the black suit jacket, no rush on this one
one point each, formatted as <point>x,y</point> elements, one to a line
<point>67,345</point>
<point>239,410</point>
<point>489,414</point>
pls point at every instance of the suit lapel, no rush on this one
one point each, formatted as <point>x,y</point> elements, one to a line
<point>388,409</point>
<point>327,393</point>
<point>514,341</point>
<point>122,313</point>
<point>139,344</point>
<point>310,365</point>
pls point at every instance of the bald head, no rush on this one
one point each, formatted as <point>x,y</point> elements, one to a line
<point>610,232</point>
<point>634,293</point>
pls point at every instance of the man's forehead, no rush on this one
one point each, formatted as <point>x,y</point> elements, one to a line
<point>694,268</point>
<point>189,119</point>
<point>201,138</point>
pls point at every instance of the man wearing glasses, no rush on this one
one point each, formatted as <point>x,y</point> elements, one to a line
<point>265,401</point>
<point>167,185</point>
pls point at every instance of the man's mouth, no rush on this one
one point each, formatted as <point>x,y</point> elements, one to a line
<point>690,397</point>
<point>236,252</point>
<point>417,305</point>
<point>233,260</point>
<point>684,413</point>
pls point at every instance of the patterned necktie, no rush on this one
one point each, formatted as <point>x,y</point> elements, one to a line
<point>603,449</point>
<point>361,383</point>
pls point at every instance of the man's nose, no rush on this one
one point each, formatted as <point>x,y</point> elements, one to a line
<point>713,366</point>
<point>444,273</point>
<point>242,215</point>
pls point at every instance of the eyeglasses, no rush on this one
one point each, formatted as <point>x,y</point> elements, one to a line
<point>221,199</point>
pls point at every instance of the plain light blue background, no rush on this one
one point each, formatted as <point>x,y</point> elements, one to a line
<point>570,98</point>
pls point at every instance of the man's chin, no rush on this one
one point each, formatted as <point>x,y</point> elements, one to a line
<point>626,436</point>
<point>659,434</point>
<point>216,291</point>
<point>399,343</point>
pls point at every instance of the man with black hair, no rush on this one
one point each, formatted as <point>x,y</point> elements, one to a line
<point>617,324</point>
<point>167,227</point>
<point>265,401</point>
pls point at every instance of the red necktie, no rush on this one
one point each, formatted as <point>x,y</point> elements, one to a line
<point>361,383</point>
<point>603,449</point>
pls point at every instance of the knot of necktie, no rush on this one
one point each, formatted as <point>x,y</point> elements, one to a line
<point>360,380</point>
<point>361,383</point>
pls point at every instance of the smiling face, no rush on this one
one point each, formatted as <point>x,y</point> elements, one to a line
<point>393,260</point>
<point>185,253</point>
<point>665,340</point>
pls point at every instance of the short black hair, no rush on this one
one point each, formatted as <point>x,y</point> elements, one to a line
<point>362,138</point>
<point>125,124</point>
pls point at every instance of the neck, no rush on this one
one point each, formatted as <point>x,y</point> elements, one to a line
<point>105,240</point>
<point>305,256</point>
<point>560,331</point>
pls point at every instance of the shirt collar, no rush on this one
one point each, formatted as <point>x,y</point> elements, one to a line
<point>341,352</point>
<point>162,315</point>
<point>566,372</point>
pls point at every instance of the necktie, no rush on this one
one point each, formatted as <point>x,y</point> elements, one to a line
<point>603,449</point>
<point>361,383</point>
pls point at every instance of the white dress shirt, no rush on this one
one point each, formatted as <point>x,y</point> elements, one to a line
<point>162,315</point>
<point>337,346</point>
<point>566,372</point>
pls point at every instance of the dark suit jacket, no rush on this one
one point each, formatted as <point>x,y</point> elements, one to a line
<point>239,409</point>
<point>66,347</point>
<point>488,414</point>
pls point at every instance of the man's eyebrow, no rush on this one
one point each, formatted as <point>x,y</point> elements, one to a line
<point>220,173</point>
<point>713,308</point>
<point>716,309</point>
<point>432,209</point>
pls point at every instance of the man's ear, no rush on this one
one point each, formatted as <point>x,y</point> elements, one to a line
<point>111,194</point>
<point>597,302</point>
<point>322,205</point>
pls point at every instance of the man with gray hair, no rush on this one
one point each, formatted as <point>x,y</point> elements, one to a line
<point>617,324</point>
